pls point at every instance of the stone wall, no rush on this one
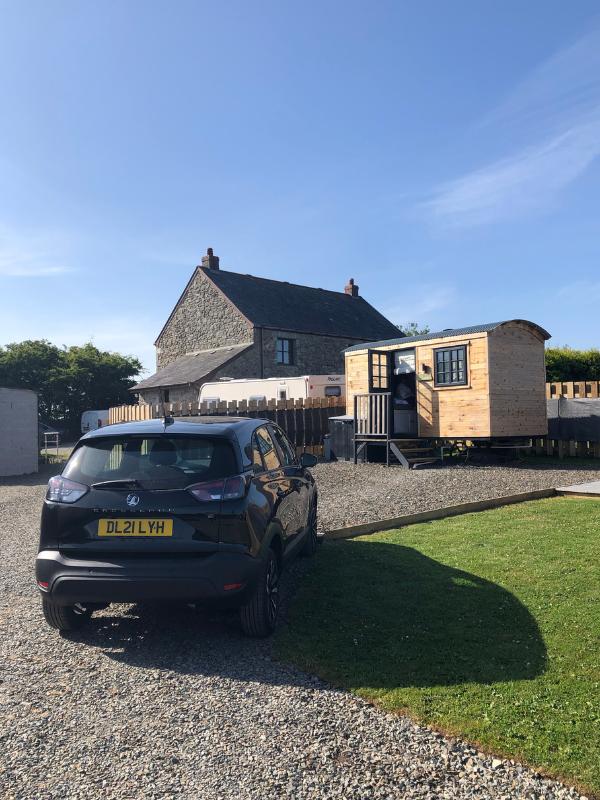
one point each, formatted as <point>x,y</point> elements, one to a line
<point>313,354</point>
<point>177,394</point>
<point>203,319</point>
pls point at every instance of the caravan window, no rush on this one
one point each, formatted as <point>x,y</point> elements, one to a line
<point>451,366</point>
<point>333,391</point>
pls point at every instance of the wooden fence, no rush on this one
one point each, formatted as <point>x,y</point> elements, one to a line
<point>573,390</point>
<point>305,421</point>
<point>562,448</point>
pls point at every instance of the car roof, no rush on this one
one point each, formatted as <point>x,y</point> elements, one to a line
<point>227,427</point>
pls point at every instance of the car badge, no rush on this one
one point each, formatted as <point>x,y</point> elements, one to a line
<point>132,500</point>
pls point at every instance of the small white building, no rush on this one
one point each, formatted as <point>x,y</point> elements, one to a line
<point>18,432</point>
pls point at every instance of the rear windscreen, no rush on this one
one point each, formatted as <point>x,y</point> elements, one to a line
<point>155,462</point>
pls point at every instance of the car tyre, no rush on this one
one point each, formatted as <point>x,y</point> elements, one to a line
<point>64,618</point>
<point>259,615</point>
<point>309,548</point>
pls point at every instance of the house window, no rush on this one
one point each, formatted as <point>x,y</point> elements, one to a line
<point>451,366</point>
<point>284,351</point>
<point>165,395</point>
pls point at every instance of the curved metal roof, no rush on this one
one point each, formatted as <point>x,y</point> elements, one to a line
<point>446,333</point>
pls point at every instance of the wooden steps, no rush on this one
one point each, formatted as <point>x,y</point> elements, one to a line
<point>408,453</point>
<point>412,453</point>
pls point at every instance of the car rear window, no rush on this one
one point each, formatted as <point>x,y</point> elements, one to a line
<point>156,462</point>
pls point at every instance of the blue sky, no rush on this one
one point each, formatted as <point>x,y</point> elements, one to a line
<point>445,155</point>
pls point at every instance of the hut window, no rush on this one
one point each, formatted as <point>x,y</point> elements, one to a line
<point>379,371</point>
<point>451,366</point>
<point>284,351</point>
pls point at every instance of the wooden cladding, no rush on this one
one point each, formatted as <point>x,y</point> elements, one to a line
<point>575,390</point>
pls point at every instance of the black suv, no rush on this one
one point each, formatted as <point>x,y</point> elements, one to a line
<point>199,509</point>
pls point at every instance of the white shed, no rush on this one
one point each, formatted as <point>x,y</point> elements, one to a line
<point>18,431</point>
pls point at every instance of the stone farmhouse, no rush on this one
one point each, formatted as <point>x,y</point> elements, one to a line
<point>226,324</point>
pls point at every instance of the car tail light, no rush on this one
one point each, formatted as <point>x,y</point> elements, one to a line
<point>62,490</point>
<point>224,489</point>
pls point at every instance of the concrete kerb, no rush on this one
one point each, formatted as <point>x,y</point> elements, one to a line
<point>437,513</point>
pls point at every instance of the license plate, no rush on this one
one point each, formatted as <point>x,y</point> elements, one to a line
<point>135,527</point>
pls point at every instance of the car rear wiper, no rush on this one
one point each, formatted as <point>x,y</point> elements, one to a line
<point>120,483</point>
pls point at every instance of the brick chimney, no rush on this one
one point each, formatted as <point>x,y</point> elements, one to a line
<point>210,261</point>
<point>351,288</point>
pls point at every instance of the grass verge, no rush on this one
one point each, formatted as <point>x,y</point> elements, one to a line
<point>486,626</point>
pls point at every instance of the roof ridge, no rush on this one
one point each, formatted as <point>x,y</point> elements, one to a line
<point>211,272</point>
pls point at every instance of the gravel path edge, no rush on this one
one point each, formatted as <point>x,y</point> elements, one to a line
<point>455,510</point>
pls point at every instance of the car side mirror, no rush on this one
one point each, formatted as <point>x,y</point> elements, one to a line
<point>308,460</point>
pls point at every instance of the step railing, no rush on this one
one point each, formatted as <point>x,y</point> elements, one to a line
<point>372,414</point>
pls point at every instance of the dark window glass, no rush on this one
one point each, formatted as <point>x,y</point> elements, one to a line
<point>287,451</point>
<point>333,391</point>
<point>267,449</point>
<point>157,462</point>
<point>284,351</point>
<point>451,366</point>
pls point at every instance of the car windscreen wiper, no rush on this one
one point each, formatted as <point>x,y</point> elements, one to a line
<point>120,483</point>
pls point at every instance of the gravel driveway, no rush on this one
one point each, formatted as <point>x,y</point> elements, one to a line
<point>171,704</point>
<point>351,495</point>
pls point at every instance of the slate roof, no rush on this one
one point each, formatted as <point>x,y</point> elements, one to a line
<point>192,367</point>
<point>488,326</point>
<point>280,305</point>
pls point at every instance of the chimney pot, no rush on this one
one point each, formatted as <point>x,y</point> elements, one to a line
<point>210,261</point>
<point>351,288</point>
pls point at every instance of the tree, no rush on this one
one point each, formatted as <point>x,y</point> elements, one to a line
<point>414,329</point>
<point>68,380</point>
<point>565,364</point>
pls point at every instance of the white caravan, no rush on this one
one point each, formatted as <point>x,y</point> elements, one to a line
<point>264,389</point>
<point>91,420</point>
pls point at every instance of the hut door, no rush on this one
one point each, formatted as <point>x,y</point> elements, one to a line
<point>380,370</point>
<point>404,394</point>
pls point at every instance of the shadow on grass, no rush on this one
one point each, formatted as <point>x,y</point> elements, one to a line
<point>385,616</point>
<point>368,614</point>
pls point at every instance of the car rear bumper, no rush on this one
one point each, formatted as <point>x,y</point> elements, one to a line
<point>220,577</point>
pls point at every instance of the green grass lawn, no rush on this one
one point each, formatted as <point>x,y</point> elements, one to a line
<point>485,625</point>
